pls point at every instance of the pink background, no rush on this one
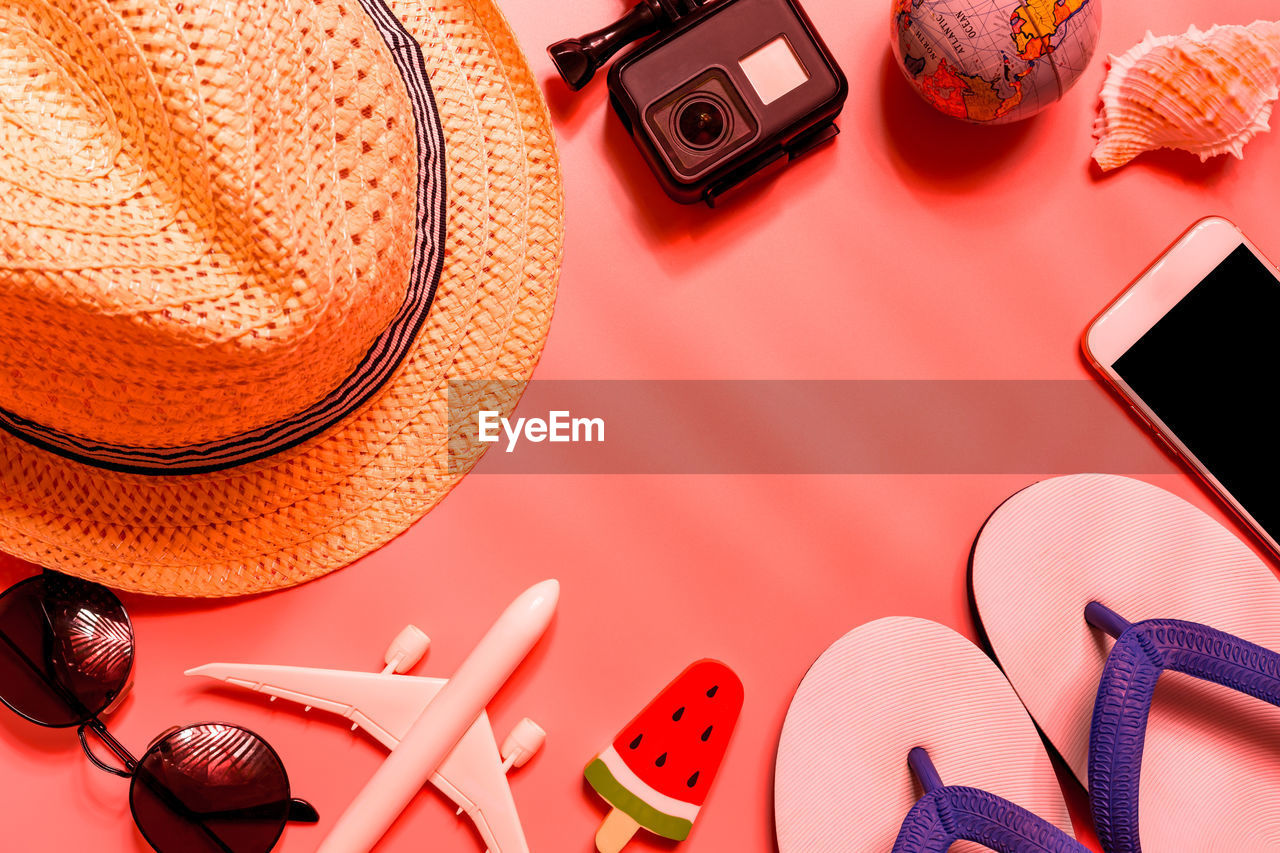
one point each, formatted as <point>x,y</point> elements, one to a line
<point>914,247</point>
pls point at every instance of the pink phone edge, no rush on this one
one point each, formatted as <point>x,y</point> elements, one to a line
<point>1170,442</point>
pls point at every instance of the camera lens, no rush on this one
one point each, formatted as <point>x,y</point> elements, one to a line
<point>701,122</point>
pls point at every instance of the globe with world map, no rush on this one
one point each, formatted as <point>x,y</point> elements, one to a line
<point>994,61</point>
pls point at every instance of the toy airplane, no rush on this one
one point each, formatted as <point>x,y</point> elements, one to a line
<point>435,733</point>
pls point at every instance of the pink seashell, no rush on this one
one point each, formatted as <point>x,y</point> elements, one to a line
<point>1205,92</point>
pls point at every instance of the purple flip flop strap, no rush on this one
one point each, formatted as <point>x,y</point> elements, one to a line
<point>1143,650</point>
<point>947,814</point>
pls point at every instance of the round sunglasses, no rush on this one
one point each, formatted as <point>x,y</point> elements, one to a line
<point>66,655</point>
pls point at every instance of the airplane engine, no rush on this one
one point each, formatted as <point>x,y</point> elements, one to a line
<point>523,742</point>
<point>409,647</point>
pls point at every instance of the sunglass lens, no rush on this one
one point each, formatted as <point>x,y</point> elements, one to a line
<point>66,648</point>
<point>210,787</point>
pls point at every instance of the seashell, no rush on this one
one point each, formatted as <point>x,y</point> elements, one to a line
<point>1205,92</point>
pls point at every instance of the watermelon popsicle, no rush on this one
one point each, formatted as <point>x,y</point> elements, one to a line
<point>657,771</point>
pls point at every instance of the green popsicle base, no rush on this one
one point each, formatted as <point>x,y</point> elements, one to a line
<point>659,823</point>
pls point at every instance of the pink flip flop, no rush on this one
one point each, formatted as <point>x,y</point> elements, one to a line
<point>1161,697</point>
<point>903,687</point>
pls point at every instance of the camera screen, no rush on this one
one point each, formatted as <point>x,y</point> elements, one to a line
<point>774,69</point>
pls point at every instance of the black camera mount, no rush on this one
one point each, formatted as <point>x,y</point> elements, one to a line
<point>578,59</point>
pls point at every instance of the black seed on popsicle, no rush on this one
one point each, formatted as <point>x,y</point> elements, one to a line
<point>707,734</point>
<point>678,714</point>
<point>635,744</point>
<point>662,759</point>
<point>712,692</point>
<point>693,780</point>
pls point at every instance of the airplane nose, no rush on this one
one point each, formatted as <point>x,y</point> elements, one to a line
<point>533,610</point>
<point>539,598</point>
<point>549,590</point>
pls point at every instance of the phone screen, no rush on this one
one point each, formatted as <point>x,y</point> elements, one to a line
<point>1210,369</point>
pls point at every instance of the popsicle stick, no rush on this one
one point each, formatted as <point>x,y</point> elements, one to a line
<point>615,832</point>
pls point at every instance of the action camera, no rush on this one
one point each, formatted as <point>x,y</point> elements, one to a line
<point>724,89</point>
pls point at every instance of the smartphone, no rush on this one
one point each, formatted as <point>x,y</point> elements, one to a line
<point>1193,346</point>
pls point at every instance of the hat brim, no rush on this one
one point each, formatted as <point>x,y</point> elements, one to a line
<point>316,507</point>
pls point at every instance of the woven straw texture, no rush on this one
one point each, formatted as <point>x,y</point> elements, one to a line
<point>208,214</point>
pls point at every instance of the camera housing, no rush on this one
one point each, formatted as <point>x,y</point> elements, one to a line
<point>725,89</point>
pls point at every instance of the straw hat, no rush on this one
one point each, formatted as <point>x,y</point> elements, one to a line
<point>247,247</point>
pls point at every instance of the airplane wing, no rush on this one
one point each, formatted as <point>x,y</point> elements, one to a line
<point>472,776</point>
<point>383,705</point>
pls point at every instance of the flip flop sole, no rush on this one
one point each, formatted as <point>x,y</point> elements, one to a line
<point>1211,765</point>
<point>841,782</point>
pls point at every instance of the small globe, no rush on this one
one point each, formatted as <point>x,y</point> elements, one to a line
<point>994,61</point>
